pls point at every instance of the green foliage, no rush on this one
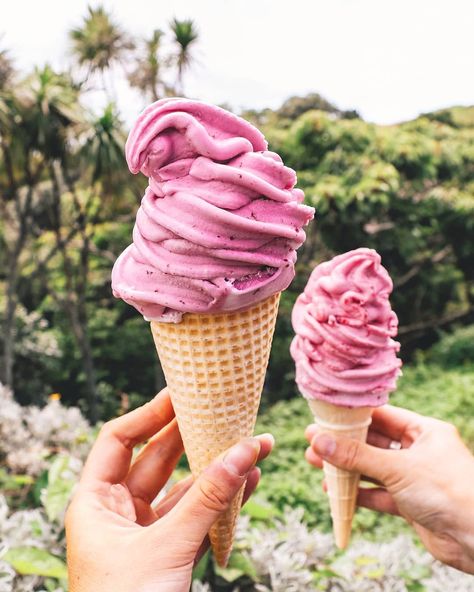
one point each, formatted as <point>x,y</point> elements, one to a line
<point>293,107</point>
<point>238,567</point>
<point>60,485</point>
<point>99,42</point>
<point>406,191</point>
<point>34,561</point>
<point>442,393</point>
<point>453,350</point>
<point>289,481</point>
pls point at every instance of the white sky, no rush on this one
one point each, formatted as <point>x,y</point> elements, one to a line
<point>389,59</point>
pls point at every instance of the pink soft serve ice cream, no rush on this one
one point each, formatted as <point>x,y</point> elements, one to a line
<point>220,221</point>
<point>344,325</point>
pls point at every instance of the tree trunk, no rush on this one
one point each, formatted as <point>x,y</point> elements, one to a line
<point>76,276</point>
<point>89,371</point>
<point>77,315</point>
<point>13,259</point>
<point>8,327</point>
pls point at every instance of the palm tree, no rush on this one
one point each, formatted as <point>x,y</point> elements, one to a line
<point>6,69</point>
<point>147,74</point>
<point>185,35</point>
<point>99,43</point>
<point>40,111</point>
<point>102,151</point>
<point>51,110</point>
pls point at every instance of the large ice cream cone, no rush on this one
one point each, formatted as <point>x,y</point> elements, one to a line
<point>342,486</point>
<point>215,366</point>
<point>217,232</point>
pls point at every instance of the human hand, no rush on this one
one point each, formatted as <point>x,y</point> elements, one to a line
<point>117,540</point>
<point>424,473</point>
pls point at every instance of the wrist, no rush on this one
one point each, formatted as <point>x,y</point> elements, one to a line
<point>173,581</point>
<point>466,537</point>
<point>463,510</point>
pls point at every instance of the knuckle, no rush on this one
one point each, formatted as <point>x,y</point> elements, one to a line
<point>445,427</point>
<point>450,429</point>
<point>350,454</point>
<point>214,497</point>
<point>107,429</point>
<point>111,431</point>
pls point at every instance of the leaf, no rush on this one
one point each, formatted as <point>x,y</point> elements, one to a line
<point>29,561</point>
<point>324,573</point>
<point>58,491</point>
<point>259,511</point>
<point>417,572</point>
<point>415,587</point>
<point>239,565</point>
<point>50,585</point>
<point>40,483</point>
<point>229,574</point>
<point>200,570</point>
<point>8,481</point>
<point>242,562</point>
<point>364,560</point>
<point>376,574</point>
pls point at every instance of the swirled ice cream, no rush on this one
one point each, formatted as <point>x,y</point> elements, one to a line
<point>220,221</point>
<point>344,325</point>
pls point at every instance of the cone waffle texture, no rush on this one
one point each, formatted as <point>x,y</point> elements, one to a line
<point>342,486</point>
<point>215,369</point>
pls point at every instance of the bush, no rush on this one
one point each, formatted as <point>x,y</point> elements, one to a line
<point>455,349</point>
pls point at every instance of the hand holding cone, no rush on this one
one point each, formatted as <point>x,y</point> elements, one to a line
<point>345,358</point>
<point>214,245</point>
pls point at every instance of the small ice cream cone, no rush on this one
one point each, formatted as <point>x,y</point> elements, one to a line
<point>342,486</point>
<point>215,367</point>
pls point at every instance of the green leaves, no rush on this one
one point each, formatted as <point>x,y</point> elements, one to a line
<point>29,561</point>
<point>259,511</point>
<point>14,482</point>
<point>99,42</point>
<point>60,484</point>
<point>238,567</point>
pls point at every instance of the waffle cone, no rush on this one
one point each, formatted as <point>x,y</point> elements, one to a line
<point>342,486</point>
<point>215,367</point>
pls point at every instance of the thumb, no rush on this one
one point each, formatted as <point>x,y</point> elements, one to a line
<point>213,491</point>
<point>355,456</point>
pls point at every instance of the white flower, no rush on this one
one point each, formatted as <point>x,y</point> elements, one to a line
<point>29,435</point>
<point>7,577</point>
<point>445,578</point>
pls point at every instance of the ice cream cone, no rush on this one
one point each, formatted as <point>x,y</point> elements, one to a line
<point>215,366</point>
<point>342,485</point>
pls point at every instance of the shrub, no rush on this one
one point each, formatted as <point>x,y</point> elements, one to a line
<point>455,349</point>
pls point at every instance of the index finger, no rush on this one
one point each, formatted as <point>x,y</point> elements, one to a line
<point>110,457</point>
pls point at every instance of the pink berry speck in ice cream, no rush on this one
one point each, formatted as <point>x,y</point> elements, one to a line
<point>343,349</point>
<point>220,221</point>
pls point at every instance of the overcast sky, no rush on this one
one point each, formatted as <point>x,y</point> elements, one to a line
<point>388,59</point>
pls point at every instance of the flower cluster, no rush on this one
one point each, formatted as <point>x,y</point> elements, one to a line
<point>34,338</point>
<point>289,557</point>
<point>29,435</point>
<point>285,555</point>
<point>26,528</point>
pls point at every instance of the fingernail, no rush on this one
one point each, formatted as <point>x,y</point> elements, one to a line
<point>310,431</point>
<point>267,436</point>
<point>242,457</point>
<point>324,444</point>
